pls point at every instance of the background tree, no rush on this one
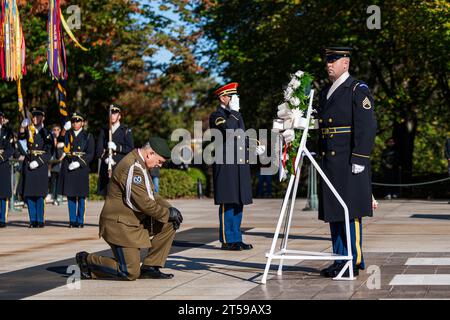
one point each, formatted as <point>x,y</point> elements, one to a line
<point>123,38</point>
<point>258,43</point>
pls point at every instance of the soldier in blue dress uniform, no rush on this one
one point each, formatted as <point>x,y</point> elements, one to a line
<point>6,151</point>
<point>121,144</point>
<point>79,149</point>
<point>348,128</point>
<point>231,179</point>
<point>33,185</point>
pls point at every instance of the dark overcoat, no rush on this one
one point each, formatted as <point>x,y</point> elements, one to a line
<point>6,151</point>
<point>34,183</point>
<point>231,178</point>
<point>123,138</point>
<point>75,183</point>
<point>350,110</point>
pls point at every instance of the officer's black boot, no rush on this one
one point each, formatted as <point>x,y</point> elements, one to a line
<point>245,246</point>
<point>149,272</point>
<point>40,225</point>
<point>334,273</point>
<point>232,246</point>
<point>2,225</point>
<point>328,271</point>
<point>81,258</point>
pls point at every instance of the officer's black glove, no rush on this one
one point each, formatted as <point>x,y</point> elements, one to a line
<point>175,217</point>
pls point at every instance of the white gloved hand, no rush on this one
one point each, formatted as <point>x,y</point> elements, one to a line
<point>289,136</point>
<point>67,125</point>
<point>112,145</point>
<point>25,123</point>
<point>356,168</point>
<point>112,161</point>
<point>33,165</point>
<point>260,150</point>
<point>74,165</point>
<point>234,103</point>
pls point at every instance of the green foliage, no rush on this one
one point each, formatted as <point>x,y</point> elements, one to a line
<point>173,183</point>
<point>178,183</point>
<point>93,183</point>
<point>196,174</point>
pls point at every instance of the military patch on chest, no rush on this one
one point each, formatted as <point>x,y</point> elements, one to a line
<point>137,179</point>
<point>366,103</point>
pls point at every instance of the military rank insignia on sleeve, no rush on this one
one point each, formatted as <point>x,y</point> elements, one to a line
<point>137,179</point>
<point>366,103</point>
<point>219,121</point>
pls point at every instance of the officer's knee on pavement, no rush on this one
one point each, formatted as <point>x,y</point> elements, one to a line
<point>132,274</point>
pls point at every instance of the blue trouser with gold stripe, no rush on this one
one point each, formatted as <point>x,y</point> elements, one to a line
<point>36,209</point>
<point>339,240</point>
<point>77,207</point>
<point>3,210</point>
<point>230,217</point>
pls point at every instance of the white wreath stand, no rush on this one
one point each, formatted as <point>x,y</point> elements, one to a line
<point>287,210</point>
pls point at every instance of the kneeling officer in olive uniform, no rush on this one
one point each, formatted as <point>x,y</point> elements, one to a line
<point>133,213</point>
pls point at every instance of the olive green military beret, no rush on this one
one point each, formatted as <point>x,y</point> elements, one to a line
<point>160,146</point>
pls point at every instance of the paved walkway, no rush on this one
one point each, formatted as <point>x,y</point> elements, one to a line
<point>406,245</point>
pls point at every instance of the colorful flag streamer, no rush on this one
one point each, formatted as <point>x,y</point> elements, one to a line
<point>12,47</point>
<point>56,52</point>
<point>12,42</point>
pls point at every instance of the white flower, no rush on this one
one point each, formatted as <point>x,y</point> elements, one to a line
<point>283,106</point>
<point>299,73</point>
<point>297,113</point>
<point>294,101</point>
<point>295,83</point>
<point>288,93</point>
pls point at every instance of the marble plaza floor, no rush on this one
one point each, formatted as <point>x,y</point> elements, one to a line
<point>406,246</point>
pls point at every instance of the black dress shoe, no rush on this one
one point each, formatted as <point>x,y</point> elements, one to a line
<point>328,271</point>
<point>81,258</point>
<point>232,246</point>
<point>245,246</point>
<point>40,225</point>
<point>33,225</point>
<point>80,226</point>
<point>148,272</point>
<point>2,225</point>
<point>334,272</point>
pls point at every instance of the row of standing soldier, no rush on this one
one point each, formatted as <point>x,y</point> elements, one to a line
<point>78,152</point>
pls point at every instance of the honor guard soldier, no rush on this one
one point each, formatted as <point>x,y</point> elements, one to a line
<point>348,127</point>
<point>33,184</point>
<point>121,145</point>
<point>6,151</point>
<point>79,150</point>
<point>133,213</point>
<point>232,181</point>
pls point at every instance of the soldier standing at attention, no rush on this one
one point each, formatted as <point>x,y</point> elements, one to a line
<point>347,121</point>
<point>33,184</point>
<point>6,151</point>
<point>232,181</point>
<point>133,212</point>
<point>79,149</point>
<point>121,144</point>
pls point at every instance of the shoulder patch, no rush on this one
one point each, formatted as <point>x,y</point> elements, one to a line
<point>363,85</point>
<point>137,179</point>
<point>366,103</point>
<point>219,121</point>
